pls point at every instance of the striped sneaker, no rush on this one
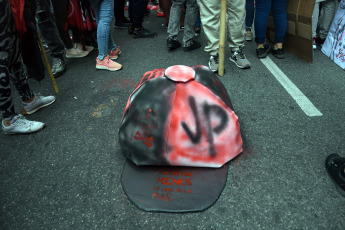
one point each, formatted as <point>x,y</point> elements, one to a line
<point>37,103</point>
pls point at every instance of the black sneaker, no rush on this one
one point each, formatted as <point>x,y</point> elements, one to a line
<point>144,33</point>
<point>320,41</point>
<point>335,166</point>
<point>263,51</point>
<point>193,46</point>
<point>173,44</point>
<point>121,25</point>
<point>278,53</point>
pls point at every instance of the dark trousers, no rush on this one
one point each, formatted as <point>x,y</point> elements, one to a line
<point>50,34</point>
<point>60,12</point>
<point>279,12</point>
<point>11,69</point>
<point>136,12</point>
<point>119,10</point>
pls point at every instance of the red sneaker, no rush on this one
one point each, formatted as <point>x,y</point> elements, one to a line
<point>114,54</point>
<point>107,64</point>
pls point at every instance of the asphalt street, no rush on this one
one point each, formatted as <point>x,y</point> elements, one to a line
<point>68,176</point>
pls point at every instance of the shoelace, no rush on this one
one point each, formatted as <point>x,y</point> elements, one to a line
<point>56,62</point>
<point>21,121</point>
<point>216,58</point>
<point>240,53</point>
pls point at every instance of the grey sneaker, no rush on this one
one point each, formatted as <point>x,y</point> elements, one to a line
<point>20,125</point>
<point>248,36</point>
<point>75,53</point>
<point>58,67</point>
<point>240,59</point>
<point>213,63</point>
<point>37,103</point>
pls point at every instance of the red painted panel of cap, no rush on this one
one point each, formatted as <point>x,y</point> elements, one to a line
<point>180,73</point>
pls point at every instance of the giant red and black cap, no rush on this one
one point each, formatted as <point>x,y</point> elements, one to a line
<point>178,132</point>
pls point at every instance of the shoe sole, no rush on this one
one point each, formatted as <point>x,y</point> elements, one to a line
<point>106,68</point>
<point>42,106</point>
<point>114,58</point>
<point>80,56</point>
<point>241,67</point>
<point>327,165</point>
<point>264,54</point>
<point>278,57</point>
<point>186,49</point>
<point>9,133</point>
<point>59,74</point>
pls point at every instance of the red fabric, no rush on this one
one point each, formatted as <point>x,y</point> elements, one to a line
<point>81,16</point>
<point>18,9</point>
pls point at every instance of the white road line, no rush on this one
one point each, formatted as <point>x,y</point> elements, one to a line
<point>308,108</point>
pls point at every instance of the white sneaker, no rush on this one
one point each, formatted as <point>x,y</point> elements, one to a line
<point>20,125</point>
<point>87,48</point>
<point>76,53</point>
<point>37,103</point>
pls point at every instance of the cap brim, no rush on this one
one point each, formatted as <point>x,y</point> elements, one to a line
<point>173,188</point>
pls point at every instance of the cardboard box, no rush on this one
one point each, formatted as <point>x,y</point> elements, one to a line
<point>298,38</point>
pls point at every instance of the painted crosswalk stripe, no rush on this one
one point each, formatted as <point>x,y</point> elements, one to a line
<point>308,108</point>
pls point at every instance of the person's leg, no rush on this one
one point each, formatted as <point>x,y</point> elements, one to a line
<point>120,20</point>
<point>235,23</point>
<point>210,20</point>
<point>139,8</point>
<point>104,10</point>
<point>165,5</point>
<point>189,25</point>
<point>138,11</point>
<point>46,23</point>
<point>174,20</point>
<point>104,16</point>
<point>327,15</point>
<point>315,19</point>
<point>249,14</point>
<point>60,13</point>
<point>262,11</point>
<point>236,13</point>
<point>279,11</point>
<point>119,6</point>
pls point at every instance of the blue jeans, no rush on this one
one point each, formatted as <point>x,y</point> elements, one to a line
<point>262,11</point>
<point>249,14</point>
<point>104,10</point>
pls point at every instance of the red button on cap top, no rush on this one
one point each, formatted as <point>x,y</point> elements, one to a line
<point>180,73</point>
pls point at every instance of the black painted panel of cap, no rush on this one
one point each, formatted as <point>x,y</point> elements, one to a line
<point>155,94</point>
<point>153,188</point>
<point>209,79</point>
